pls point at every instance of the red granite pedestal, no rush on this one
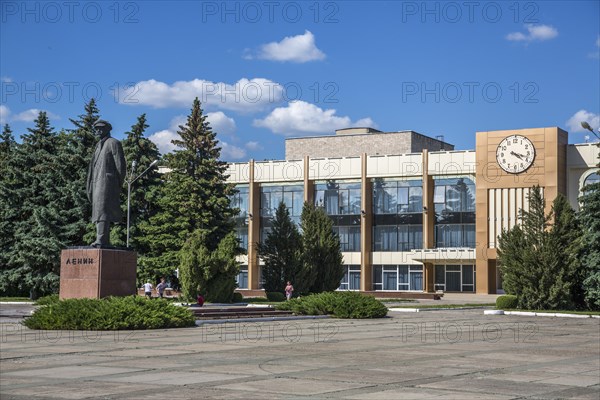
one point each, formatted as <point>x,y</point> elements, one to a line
<point>88,272</point>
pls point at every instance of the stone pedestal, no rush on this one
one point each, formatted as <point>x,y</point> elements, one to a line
<point>96,272</point>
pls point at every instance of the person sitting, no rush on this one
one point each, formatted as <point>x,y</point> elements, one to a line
<point>200,300</point>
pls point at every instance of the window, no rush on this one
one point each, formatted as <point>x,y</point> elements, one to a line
<point>338,198</point>
<point>455,278</point>
<point>242,235</point>
<point>349,237</point>
<point>398,215</point>
<point>270,198</point>
<point>454,201</point>
<point>239,200</point>
<point>351,279</point>
<point>397,197</point>
<point>398,277</point>
<point>242,277</point>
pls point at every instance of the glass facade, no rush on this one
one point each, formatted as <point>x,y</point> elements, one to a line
<point>270,198</point>
<point>455,278</point>
<point>398,215</point>
<point>398,277</point>
<point>454,200</point>
<point>351,279</point>
<point>240,201</point>
<point>341,200</point>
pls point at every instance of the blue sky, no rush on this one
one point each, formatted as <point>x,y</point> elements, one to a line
<point>270,70</point>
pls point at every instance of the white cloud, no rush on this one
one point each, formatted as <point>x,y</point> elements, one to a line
<point>24,116</point>
<point>534,33</point>
<point>574,123</point>
<point>231,152</point>
<point>253,146</point>
<point>32,114</point>
<point>221,123</point>
<point>298,49</point>
<point>4,114</point>
<point>163,138</point>
<point>243,96</point>
<point>300,117</point>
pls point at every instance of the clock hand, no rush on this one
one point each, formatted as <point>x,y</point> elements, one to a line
<point>516,155</point>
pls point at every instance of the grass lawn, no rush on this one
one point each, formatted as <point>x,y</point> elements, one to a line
<point>476,305</point>
<point>15,299</point>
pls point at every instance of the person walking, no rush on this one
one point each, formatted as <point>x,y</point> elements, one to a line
<point>160,288</point>
<point>148,289</point>
<point>289,290</point>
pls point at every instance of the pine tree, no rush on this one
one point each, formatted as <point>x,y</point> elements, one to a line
<point>143,152</point>
<point>323,264</point>
<point>282,253</point>
<point>538,259</point>
<point>194,195</point>
<point>590,222</point>
<point>34,254</point>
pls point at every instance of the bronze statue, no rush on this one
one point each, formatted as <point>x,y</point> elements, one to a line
<point>106,174</point>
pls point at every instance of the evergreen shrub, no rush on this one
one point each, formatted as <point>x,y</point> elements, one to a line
<point>507,301</point>
<point>275,296</point>
<point>237,297</point>
<point>337,304</point>
<point>112,313</point>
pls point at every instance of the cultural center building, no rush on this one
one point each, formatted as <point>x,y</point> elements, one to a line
<point>413,214</point>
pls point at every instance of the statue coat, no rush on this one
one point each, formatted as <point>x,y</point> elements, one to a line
<point>106,174</point>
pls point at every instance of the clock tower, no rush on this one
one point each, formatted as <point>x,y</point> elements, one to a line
<point>509,164</point>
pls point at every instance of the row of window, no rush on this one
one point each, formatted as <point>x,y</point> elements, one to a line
<point>449,278</point>
<point>397,208</point>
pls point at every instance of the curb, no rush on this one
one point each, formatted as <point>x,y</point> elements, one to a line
<point>200,322</point>
<point>406,309</point>
<point>17,302</point>
<point>539,314</point>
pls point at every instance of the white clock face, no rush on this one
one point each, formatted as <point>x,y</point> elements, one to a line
<point>515,154</point>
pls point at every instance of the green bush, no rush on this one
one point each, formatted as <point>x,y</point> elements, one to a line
<point>50,299</point>
<point>112,313</point>
<point>337,304</point>
<point>275,296</point>
<point>507,301</point>
<point>237,297</point>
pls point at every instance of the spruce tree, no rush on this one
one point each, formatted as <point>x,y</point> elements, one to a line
<point>538,258</point>
<point>323,264</point>
<point>590,222</point>
<point>34,254</point>
<point>282,253</point>
<point>7,145</point>
<point>143,152</point>
<point>194,195</point>
<point>10,205</point>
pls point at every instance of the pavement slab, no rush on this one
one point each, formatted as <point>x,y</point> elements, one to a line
<point>408,356</point>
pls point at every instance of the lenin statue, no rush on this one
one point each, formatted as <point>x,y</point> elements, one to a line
<point>106,174</point>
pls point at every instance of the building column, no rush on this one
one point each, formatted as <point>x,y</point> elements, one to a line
<point>366,228</point>
<point>253,228</point>
<point>428,222</point>
<point>309,185</point>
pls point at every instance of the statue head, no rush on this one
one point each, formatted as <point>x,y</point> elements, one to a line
<point>102,128</point>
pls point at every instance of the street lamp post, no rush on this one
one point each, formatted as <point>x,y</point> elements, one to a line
<point>129,183</point>
<point>587,126</point>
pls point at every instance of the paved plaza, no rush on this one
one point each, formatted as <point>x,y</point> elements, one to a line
<point>459,354</point>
